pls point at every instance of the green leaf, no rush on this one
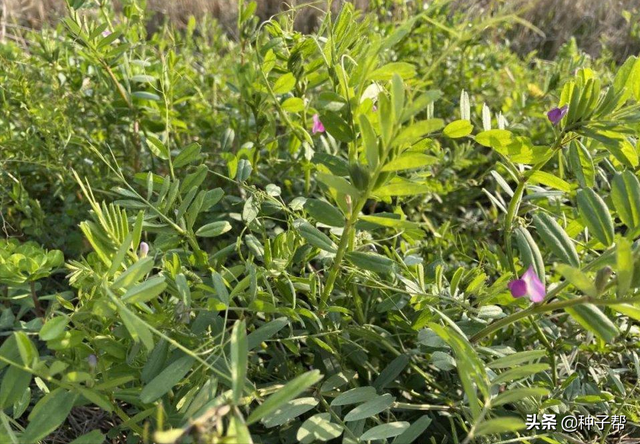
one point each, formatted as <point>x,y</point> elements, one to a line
<point>397,95</point>
<point>402,188</point>
<point>264,332</point>
<point>339,184</point>
<point>633,311</point>
<point>581,164</point>
<point>370,141</point>
<point>324,212</point>
<point>48,414</point>
<point>389,220</point>
<point>386,72</point>
<point>370,408</point>
<point>14,383</point>
<point>517,394</point>
<point>530,253</point>
<point>144,95</point>
<point>285,394</point>
<point>293,105</point>
<point>624,265</point>
<point>135,326</point>
<point>9,351</point>
<point>354,396</point>
<point>96,398</point>
<point>134,273</point>
<point>417,131</point>
<point>289,411</point>
<point>370,261</point>
<point>214,229</point>
<point>166,380</point>
<point>580,280</point>
<point>315,237</point>
<point>596,215</point>
<point>410,161</point>
<point>93,437</point>
<point>221,288</point>
<point>284,84</point>
<point>471,369</point>
<point>556,239</point>
<point>385,431</point>
<point>143,78</point>
<point>318,428</point>
<point>457,129</point>
<point>244,170</point>
<point>238,430</point>
<point>118,258</point>
<point>626,80</point>
<point>239,359</point>
<point>194,179</point>
<point>145,291</point>
<point>189,154</point>
<point>330,101</point>
<point>386,120</point>
<point>337,126</point>
<point>625,194</point>
<point>500,425</point>
<point>27,350</point>
<point>54,328</point>
<point>519,372</point>
<point>414,431</point>
<point>593,319</point>
<point>517,358</point>
<point>391,372</point>
<point>497,139</point>
<point>155,361</point>
<point>550,180</point>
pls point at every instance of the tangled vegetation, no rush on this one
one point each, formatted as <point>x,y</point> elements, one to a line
<point>314,237</point>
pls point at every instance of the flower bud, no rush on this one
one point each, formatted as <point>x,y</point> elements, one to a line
<point>144,250</point>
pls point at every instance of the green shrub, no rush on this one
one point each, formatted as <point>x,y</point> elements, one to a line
<point>306,238</point>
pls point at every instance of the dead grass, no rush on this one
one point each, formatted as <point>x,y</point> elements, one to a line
<point>592,22</point>
<point>83,420</point>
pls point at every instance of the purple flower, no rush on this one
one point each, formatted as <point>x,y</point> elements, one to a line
<point>318,127</point>
<point>375,108</point>
<point>528,285</point>
<point>106,33</point>
<point>556,114</point>
<point>144,249</point>
<point>92,360</point>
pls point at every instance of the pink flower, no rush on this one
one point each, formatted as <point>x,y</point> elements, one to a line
<point>556,114</point>
<point>318,127</point>
<point>144,249</point>
<point>528,285</point>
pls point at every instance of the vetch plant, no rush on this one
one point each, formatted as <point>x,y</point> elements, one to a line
<point>390,230</point>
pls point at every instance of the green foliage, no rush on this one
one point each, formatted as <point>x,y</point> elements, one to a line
<point>236,276</point>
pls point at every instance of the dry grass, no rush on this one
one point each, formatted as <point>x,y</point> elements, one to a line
<point>36,12</point>
<point>83,420</point>
<point>592,22</point>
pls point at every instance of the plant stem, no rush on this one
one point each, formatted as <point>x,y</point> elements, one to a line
<point>558,305</point>
<point>36,301</point>
<point>345,239</point>
<point>514,205</point>
<point>342,249</point>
